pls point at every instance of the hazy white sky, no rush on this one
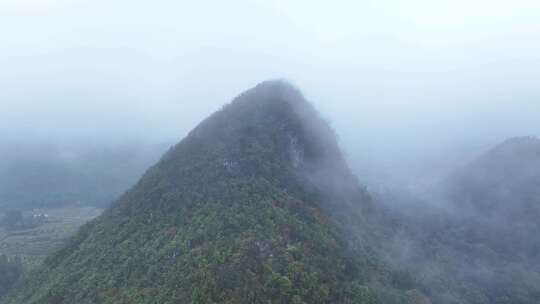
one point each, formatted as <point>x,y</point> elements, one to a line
<point>395,77</point>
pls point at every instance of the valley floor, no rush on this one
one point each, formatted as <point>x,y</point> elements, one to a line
<point>34,244</point>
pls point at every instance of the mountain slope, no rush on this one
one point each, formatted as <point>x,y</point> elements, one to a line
<point>486,248</point>
<point>504,180</point>
<point>251,207</point>
<point>499,197</point>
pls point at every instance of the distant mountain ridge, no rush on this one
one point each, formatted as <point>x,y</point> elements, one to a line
<point>486,248</point>
<point>505,179</point>
<point>34,175</point>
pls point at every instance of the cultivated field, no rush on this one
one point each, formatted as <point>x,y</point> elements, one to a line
<point>34,244</point>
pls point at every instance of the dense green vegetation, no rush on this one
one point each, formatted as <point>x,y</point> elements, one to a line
<point>257,205</point>
<point>251,207</point>
<point>10,271</point>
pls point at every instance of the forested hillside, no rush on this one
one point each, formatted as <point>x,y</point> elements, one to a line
<point>11,269</point>
<point>255,205</point>
<point>481,245</point>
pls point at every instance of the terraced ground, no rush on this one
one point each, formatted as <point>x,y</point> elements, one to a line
<point>34,244</point>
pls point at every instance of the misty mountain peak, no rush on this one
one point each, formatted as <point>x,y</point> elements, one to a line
<point>256,197</point>
<point>519,147</point>
<point>275,89</point>
<point>271,122</point>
